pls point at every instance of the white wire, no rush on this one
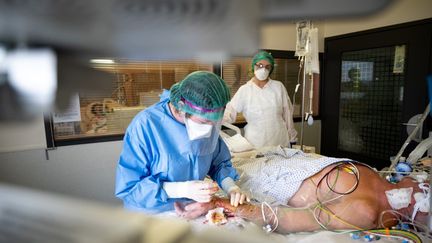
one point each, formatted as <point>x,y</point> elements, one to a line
<point>301,58</point>
<point>314,214</point>
<point>276,219</point>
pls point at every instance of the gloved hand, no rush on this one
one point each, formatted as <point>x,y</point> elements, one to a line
<point>200,191</point>
<point>237,196</point>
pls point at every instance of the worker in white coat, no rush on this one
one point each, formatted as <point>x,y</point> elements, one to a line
<point>265,105</point>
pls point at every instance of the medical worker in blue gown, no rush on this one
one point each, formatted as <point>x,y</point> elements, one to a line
<point>170,147</point>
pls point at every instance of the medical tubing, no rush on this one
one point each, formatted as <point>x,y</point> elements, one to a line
<point>321,205</point>
<point>410,137</point>
<point>317,208</point>
<point>355,172</point>
<point>318,203</point>
<point>311,93</point>
<point>303,108</point>
<point>269,226</point>
<point>420,231</point>
<point>395,234</point>
<point>298,78</point>
<point>333,215</point>
<point>337,167</point>
<point>400,218</point>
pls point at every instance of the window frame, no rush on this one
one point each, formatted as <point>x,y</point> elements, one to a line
<point>97,138</point>
<point>217,69</point>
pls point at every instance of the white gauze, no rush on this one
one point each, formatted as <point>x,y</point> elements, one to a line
<point>399,198</point>
<point>422,200</point>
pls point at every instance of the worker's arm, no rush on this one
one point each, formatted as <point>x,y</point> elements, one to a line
<point>233,107</point>
<point>221,166</point>
<point>135,184</point>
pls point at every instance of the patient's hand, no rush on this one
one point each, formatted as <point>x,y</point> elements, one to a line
<point>193,210</point>
<point>196,209</point>
<point>226,204</point>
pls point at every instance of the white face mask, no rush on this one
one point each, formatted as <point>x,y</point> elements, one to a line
<point>197,130</point>
<point>262,73</point>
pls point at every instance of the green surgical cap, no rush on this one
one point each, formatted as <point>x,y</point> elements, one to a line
<point>263,55</point>
<point>201,93</point>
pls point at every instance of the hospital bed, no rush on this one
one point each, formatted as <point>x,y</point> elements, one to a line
<point>252,165</point>
<point>246,157</point>
<point>237,144</point>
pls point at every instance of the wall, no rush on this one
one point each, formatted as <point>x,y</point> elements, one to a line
<point>88,171</point>
<point>85,171</point>
<point>17,136</point>
<point>399,12</point>
<point>282,36</point>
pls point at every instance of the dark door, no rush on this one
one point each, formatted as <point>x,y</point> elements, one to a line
<point>374,81</point>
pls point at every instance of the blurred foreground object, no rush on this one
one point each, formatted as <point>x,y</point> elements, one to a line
<point>35,216</point>
<point>28,82</point>
<point>161,28</point>
<point>143,30</point>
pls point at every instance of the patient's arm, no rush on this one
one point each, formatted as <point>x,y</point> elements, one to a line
<point>357,213</point>
<point>288,219</point>
<point>359,210</point>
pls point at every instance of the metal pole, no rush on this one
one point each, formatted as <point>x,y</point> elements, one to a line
<point>409,138</point>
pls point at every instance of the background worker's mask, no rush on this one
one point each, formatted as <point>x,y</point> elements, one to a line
<point>262,73</point>
<point>197,130</point>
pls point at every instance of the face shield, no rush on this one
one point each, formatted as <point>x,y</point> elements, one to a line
<point>197,130</point>
<point>203,137</point>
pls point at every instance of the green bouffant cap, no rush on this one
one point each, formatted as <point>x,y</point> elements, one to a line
<point>201,93</point>
<point>263,55</point>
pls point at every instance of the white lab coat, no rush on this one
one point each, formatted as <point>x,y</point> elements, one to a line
<point>268,112</point>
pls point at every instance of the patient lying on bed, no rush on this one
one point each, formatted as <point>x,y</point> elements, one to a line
<point>335,194</point>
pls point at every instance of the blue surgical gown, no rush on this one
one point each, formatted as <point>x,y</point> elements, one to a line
<point>157,149</point>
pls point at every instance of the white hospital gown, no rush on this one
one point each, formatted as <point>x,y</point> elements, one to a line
<point>277,176</point>
<point>268,112</point>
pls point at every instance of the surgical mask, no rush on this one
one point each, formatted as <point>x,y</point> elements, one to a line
<point>399,198</point>
<point>262,73</point>
<point>197,130</point>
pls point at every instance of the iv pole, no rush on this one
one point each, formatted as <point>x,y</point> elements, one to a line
<point>307,51</point>
<point>303,49</point>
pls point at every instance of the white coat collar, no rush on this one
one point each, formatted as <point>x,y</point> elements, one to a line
<point>251,82</point>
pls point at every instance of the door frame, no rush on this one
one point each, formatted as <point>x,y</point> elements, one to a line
<point>417,36</point>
